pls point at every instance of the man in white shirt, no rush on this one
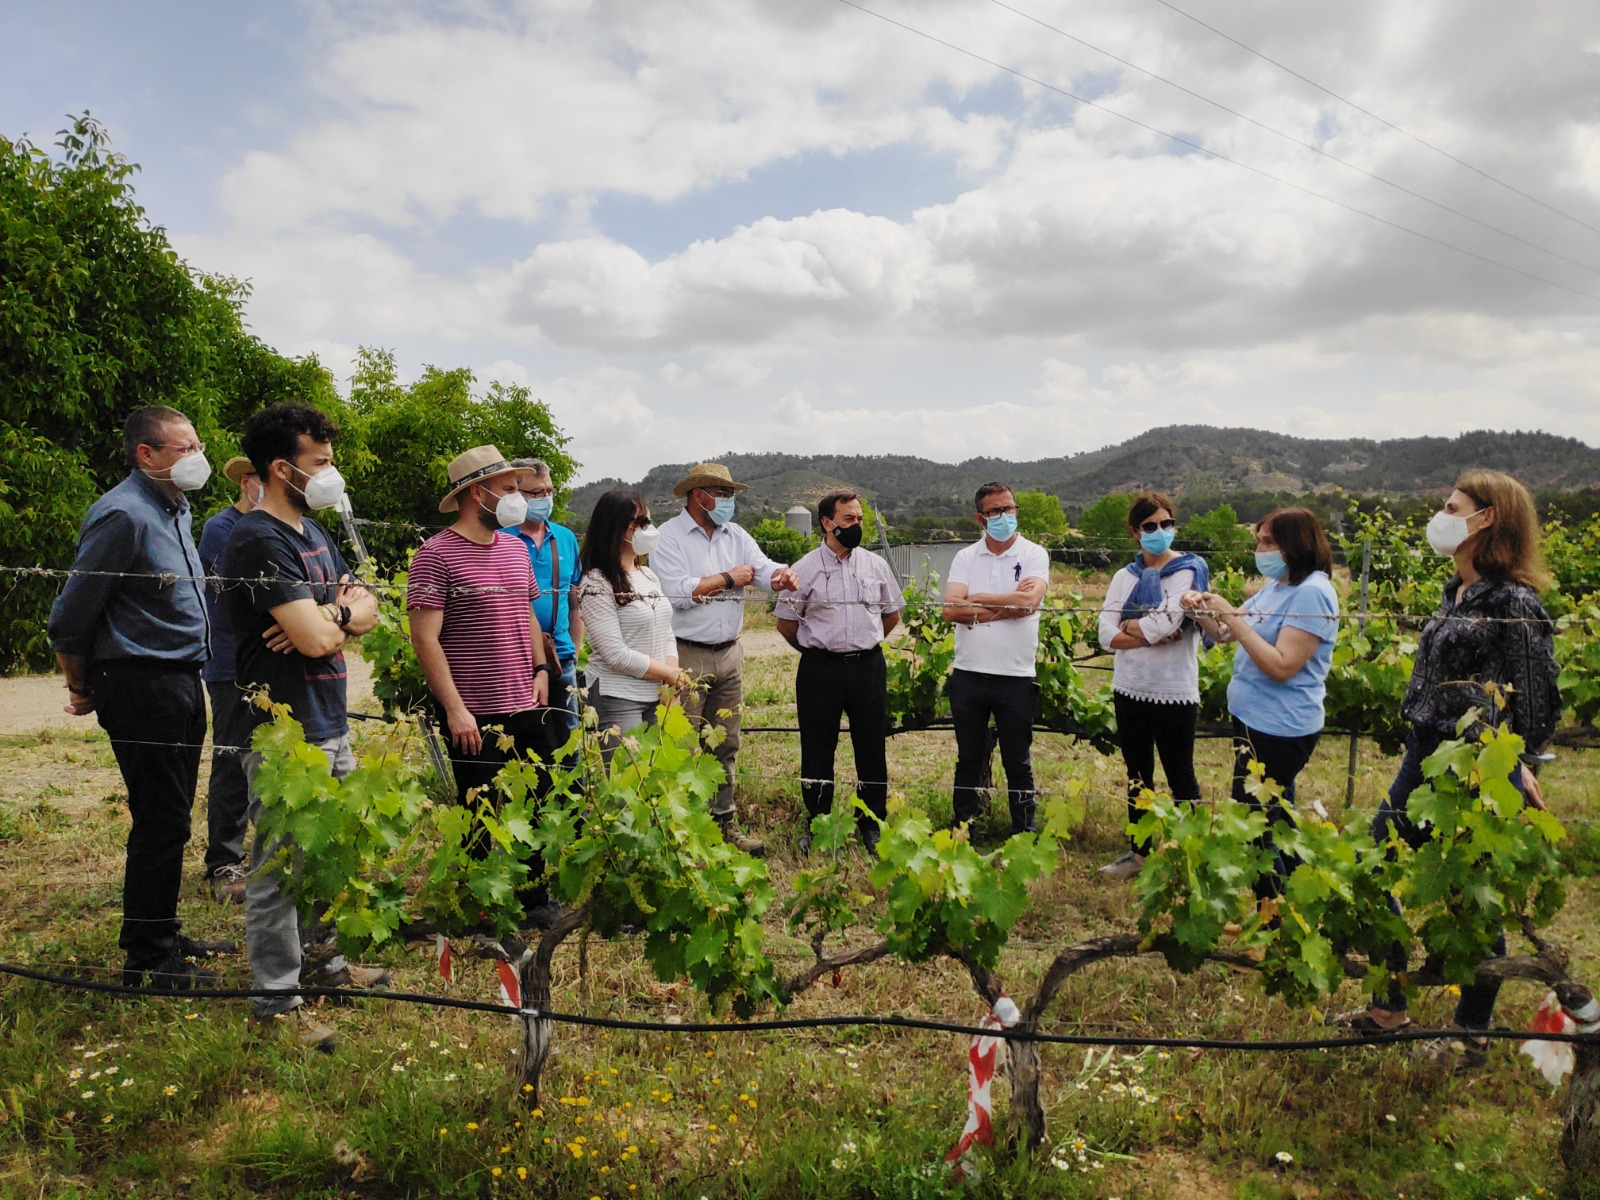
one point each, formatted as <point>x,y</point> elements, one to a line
<point>705,561</point>
<point>993,595</point>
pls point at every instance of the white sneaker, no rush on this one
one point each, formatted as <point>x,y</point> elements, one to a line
<point>1126,867</point>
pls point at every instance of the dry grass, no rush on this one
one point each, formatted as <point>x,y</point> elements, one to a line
<point>747,1114</point>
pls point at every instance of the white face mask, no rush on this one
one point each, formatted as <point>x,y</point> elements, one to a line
<point>645,540</point>
<point>189,473</point>
<point>1446,531</point>
<point>510,510</point>
<point>324,489</point>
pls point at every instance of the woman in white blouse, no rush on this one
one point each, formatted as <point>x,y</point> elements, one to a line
<point>1155,683</point>
<point>632,651</point>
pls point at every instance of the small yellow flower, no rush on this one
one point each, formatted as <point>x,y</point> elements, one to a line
<point>444,1130</point>
<point>522,1172</point>
<point>496,1172</point>
<point>472,1127</point>
<point>169,1090</point>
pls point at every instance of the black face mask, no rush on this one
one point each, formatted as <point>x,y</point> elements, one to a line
<point>848,536</point>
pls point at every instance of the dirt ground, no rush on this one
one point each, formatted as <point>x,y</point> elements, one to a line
<point>30,703</point>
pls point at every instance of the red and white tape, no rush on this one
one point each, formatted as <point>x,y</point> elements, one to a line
<point>985,1057</point>
<point>1555,1059</point>
<point>447,962</point>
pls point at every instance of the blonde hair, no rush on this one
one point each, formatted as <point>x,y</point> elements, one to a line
<point>1509,547</point>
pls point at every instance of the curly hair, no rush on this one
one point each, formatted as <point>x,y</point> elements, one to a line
<point>274,433</point>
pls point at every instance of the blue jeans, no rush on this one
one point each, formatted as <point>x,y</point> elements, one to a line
<point>274,935</point>
<point>1475,1009</point>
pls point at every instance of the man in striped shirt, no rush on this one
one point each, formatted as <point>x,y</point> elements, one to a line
<point>469,596</point>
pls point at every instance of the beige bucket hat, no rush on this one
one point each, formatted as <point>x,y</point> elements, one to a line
<point>474,466</point>
<point>236,468</point>
<point>707,475</point>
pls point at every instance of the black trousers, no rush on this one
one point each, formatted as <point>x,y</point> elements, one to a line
<point>828,686</point>
<point>1145,729</point>
<point>1475,1009</point>
<point>155,715</point>
<point>1283,758</point>
<point>1013,702</point>
<point>535,731</point>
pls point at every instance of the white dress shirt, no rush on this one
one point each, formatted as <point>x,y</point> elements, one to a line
<point>685,555</point>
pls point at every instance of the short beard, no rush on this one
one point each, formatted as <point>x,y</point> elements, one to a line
<point>488,519</point>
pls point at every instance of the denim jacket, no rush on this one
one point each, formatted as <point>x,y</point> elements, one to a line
<point>135,528</point>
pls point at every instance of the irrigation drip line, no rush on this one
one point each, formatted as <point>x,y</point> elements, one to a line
<point>886,1020</point>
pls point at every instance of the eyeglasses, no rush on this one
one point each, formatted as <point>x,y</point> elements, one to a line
<point>641,522</point>
<point>721,493</point>
<point>191,448</point>
<point>537,493</point>
<point>1152,526</point>
<point>1009,510</point>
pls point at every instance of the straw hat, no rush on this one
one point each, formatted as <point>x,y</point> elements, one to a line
<point>707,475</point>
<point>476,465</point>
<point>237,468</point>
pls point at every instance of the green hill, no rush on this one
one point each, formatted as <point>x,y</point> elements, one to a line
<point>1183,460</point>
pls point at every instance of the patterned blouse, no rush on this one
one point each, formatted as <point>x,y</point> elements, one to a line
<point>1491,632</point>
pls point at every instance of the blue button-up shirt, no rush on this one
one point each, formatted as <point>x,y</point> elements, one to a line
<point>135,529</point>
<point>553,608</point>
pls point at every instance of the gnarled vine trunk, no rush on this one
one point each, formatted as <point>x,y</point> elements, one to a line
<point>1580,1132</point>
<point>533,973</point>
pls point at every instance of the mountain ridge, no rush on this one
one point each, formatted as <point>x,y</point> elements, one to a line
<point>1178,459</point>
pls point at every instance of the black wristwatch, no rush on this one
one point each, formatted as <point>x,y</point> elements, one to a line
<point>727,581</point>
<point>546,668</point>
<point>344,615</point>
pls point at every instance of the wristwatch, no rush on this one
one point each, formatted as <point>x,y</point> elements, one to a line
<point>546,668</point>
<point>727,581</point>
<point>344,615</point>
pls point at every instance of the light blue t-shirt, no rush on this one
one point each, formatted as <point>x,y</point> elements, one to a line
<point>1292,708</point>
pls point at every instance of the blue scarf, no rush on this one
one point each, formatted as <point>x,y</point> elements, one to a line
<point>1146,595</point>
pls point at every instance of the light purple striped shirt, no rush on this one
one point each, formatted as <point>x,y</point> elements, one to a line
<point>840,605</point>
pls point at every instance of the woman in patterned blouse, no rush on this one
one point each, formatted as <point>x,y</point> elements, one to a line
<point>1489,652</point>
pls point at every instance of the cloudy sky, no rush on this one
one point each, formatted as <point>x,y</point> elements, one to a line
<point>898,227</point>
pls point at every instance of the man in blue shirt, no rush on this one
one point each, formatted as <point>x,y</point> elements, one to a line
<point>552,548</point>
<point>227,796</point>
<point>131,635</point>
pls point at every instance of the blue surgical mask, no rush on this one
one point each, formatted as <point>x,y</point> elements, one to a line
<point>1001,526</point>
<point>722,510</point>
<point>1270,563</point>
<point>539,508</point>
<point>1158,542</point>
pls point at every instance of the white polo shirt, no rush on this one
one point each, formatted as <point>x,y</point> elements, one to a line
<point>999,647</point>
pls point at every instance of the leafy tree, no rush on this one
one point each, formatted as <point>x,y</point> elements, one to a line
<point>1040,516</point>
<point>1107,517</point>
<point>780,543</point>
<point>99,316</point>
<point>1220,538</point>
<point>398,440</point>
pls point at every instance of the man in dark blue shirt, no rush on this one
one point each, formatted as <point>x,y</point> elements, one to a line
<point>291,627</point>
<point>227,795</point>
<point>131,635</point>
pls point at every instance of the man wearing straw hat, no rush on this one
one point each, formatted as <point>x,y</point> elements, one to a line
<point>470,595</point>
<point>705,561</point>
<point>227,794</point>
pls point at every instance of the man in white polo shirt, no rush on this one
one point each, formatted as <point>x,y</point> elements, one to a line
<point>705,561</point>
<point>993,595</point>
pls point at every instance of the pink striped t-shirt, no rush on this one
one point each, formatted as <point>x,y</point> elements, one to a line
<point>485,592</point>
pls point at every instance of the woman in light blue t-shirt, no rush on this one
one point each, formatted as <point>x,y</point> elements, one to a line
<point>1284,635</point>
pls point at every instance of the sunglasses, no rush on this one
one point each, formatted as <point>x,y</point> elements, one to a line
<point>641,522</point>
<point>1152,526</point>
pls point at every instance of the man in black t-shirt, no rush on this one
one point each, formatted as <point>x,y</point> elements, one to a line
<point>291,623</point>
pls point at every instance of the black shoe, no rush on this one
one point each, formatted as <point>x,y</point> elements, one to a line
<point>190,947</point>
<point>175,973</point>
<point>542,916</point>
<point>871,835</point>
